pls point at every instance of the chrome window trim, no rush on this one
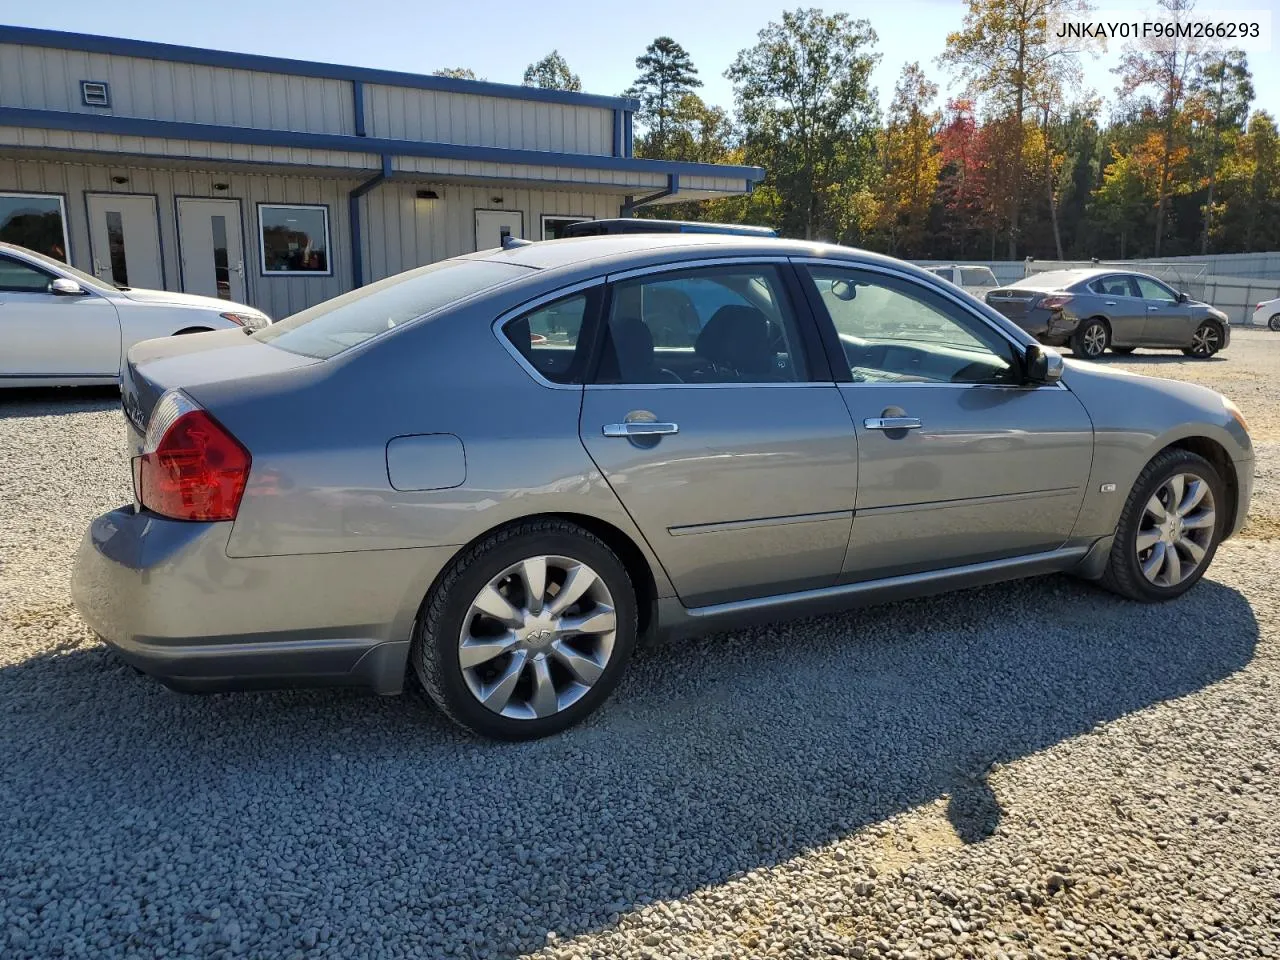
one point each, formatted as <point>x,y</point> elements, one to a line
<point>516,313</point>
<point>680,266</point>
<point>946,294</point>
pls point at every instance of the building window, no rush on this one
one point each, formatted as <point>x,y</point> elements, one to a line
<point>553,225</point>
<point>294,239</point>
<point>37,221</point>
<point>95,93</point>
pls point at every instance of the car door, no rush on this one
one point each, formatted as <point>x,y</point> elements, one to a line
<point>1116,298</point>
<point>1168,322</point>
<point>45,334</point>
<point>713,417</point>
<point>958,460</point>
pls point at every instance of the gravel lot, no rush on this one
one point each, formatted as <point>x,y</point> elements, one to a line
<point>1035,769</point>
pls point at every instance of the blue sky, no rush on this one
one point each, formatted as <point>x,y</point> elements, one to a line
<point>600,41</point>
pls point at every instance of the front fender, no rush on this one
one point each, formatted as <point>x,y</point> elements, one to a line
<point>1134,418</point>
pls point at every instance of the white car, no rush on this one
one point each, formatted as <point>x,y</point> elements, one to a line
<point>60,326</point>
<point>1267,314</point>
<point>975,280</point>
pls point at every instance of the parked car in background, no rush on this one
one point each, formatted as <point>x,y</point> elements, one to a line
<point>60,326</point>
<point>497,474</point>
<point>595,228</point>
<point>1267,314</point>
<point>1094,309</point>
<point>974,280</point>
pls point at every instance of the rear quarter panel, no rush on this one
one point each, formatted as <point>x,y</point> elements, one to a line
<point>1134,418</point>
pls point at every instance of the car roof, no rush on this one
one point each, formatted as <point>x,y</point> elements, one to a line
<point>622,248</point>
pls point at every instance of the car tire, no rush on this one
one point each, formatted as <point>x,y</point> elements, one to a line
<point>1206,341</point>
<point>1123,351</point>
<point>1274,322</point>
<point>1128,571</point>
<point>1091,339</point>
<point>450,622</point>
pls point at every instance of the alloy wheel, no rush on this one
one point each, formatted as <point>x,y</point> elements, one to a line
<point>1095,339</point>
<point>1205,341</point>
<point>1274,322</point>
<point>537,637</point>
<point>1176,530</point>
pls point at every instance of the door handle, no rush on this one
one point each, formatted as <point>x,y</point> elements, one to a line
<point>640,428</point>
<point>1109,303</point>
<point>1153,308</point>
<point>892,423</point>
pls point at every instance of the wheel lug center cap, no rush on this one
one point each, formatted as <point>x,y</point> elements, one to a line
<point>539,631</point>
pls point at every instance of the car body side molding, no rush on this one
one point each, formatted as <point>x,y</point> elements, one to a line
<point>676,620</point>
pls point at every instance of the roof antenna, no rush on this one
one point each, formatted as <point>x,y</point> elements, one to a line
<point>510,243</point>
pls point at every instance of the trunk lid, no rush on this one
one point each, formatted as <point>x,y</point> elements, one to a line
<point>1014,302</point>
<point>193,360</point>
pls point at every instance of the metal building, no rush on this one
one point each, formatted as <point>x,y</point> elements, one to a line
<point>282,183</point>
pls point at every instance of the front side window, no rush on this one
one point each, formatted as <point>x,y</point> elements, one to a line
<point>553,227</point>
<point>329,328</point>
<point>1150,289</point>
<point>294,239</point>
<point>893,330</point>
<point>35,221</point>
<point>18,277</point>
<point>712,325</point>
<point>550,337</point>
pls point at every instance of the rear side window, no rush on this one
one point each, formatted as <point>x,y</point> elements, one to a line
<point>551,337</point>
<point>329,328</point>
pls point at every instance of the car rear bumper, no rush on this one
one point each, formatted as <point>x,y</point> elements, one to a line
<point>165,595</point>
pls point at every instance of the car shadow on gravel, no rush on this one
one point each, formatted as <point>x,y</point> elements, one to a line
<point>51,401</point>
<point>279,820</point>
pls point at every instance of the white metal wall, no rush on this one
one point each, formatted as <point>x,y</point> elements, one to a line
<point>278,296</point>
<point>402,232</point>
<point>403,113</point>
<point>42,78</point>
<point>399,230</point>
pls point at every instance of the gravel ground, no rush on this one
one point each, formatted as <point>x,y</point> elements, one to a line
<point>1034,769</point>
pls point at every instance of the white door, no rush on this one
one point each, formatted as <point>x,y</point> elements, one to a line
<point>493,225</point>
<point>212,255</point>
<point>44,334</point>
<point>125,237</point>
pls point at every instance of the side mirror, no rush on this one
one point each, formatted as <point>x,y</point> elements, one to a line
<point>63,287</point>
<point>1042,365</point>
<point>1183,298</point>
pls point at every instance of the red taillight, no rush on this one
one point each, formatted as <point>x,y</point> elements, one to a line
<point>1055,301</point>
<point>195,470</point>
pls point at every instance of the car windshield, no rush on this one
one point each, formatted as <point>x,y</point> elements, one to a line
<point>329,328</point>
<point>85,279</point>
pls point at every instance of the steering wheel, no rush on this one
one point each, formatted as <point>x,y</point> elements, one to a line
<point>671,375</point>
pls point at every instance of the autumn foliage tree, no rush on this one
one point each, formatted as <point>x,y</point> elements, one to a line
<point>910,161</point>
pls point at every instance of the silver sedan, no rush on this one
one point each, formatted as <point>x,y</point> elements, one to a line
<point>496,475</point>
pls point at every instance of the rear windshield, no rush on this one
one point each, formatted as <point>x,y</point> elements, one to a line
<point>329,328</point>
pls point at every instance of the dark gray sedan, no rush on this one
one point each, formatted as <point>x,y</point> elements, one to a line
<point>1095,309</point>
<point>496,475</point>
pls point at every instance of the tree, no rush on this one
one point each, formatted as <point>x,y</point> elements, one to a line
<point>1003,51</point>
<point>1159,69</point>
<point>667,75</point>
<point>1251,189</point>
<point>910,161</point>
<point>552,73</point>
<point>1221,94</point>
<point>808,114</point>
<point>457,73</point>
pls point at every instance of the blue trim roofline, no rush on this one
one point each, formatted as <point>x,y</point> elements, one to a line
<point>255,136</point>
<point>122,47</point>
